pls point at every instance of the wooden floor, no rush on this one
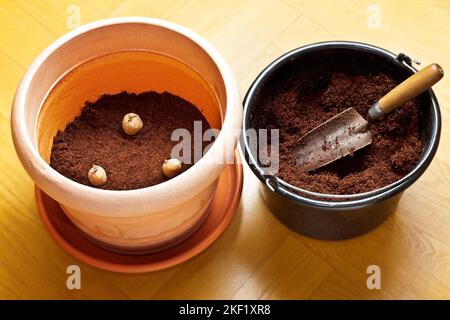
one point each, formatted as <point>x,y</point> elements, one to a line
<point>257,257</point>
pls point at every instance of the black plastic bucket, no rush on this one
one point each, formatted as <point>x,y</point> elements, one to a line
<point>334,217</point>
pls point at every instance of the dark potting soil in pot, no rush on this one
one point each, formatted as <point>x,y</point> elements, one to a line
<point>131,162</point>
<point>302,103</point>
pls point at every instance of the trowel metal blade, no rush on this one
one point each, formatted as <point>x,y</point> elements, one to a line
<point>336,138</point>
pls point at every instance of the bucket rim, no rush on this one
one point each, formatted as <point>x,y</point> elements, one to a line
<point>293,193</point>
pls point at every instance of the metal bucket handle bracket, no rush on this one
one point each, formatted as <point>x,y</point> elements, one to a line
<point>402,57</point>
<point>271,182</point>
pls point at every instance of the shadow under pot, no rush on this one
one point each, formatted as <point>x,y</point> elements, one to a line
<point>318,214</point>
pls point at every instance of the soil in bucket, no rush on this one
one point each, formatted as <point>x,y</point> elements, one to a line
<point>301,103</point>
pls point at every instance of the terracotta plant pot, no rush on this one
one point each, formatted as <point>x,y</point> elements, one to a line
<point>138,220</point>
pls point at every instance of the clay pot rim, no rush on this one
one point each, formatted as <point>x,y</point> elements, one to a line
<point>287,190</point>
<point>34,163</point>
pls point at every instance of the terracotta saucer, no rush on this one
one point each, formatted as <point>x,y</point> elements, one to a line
<point>74,242</point>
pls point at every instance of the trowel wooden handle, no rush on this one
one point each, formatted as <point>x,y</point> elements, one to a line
<point>407,90</point>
